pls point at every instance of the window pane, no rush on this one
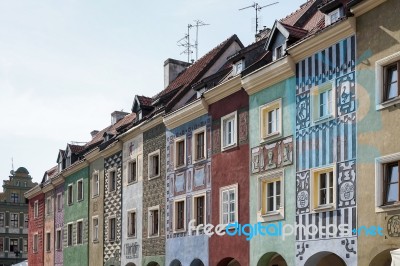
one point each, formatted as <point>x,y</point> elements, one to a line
<point>391,83</point>
<point>270,190</point>
<point>278,202</point>
<point>393,174</point>
<point>393,193</point>
<point>278,187</point>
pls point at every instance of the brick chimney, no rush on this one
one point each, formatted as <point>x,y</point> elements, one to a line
<point>116,116</point>
<point>172,68</point>
<point>94,133</point>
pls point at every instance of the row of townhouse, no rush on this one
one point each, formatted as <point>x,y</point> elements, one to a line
<point>295,132</point>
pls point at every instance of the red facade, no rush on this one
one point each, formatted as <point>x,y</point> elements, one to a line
<point>36,226</point>
<point>230,167</point>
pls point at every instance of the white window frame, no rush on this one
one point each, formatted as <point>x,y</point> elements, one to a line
<point>77,232</point>
<point>315,102</point>
<point>35,209</point>
<point>48,241</point>
<point>176,155</point>
<point>194,208</point>
<point>239,66</point>
<point>262,214</point>
<point>221,191</point>
<point>225,118</point>
<point>175,215</point>
<point>129,175</point>
<point>60,202</point>
<point>25,245</point>
<point>194,144</point>
<point>35,243</point>
<point>264,123</point>
<point>70,201</point>
<point>328,17</point>
<point>149,223</point>
<point>314,188</point>
<point>77,190</point>
<point>95,231</point>
<point>380,82</point>
<point>129,223</point>
<point>70,234</point>
<point>380,162</point>
<point>109,229</point>
<point>109,171</point>
<point>26,220</point>
<point>58,240</point>
<point>150,164</point>
<point>18,223</point>
<point>95,184</point>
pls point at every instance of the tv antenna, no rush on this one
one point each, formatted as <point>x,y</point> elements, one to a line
<point>185,41</point>
<point>257,8</point>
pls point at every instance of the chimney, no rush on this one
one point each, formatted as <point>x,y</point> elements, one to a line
<point>94,133</point>
<point>262,34</point>
<point>172,68</point>
<point>116,116</point>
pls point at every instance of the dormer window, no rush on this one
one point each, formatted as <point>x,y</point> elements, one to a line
<point>332,16</point>
<point>200,92</point>
<point>60,168</point>
<point>279,52</point>
<point>239,67</point>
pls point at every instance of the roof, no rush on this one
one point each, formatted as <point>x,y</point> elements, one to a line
<point>76,148</point>
<point>294,17</point>
<point>196,70</point>
<point>295,32</point>
<point>22,170</point>
<point>52,172</point>
<point>144,101</point>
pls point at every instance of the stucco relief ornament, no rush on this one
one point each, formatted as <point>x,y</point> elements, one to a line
<point>346,191</point>
<point>302,199</point>
<point>302,111</point>
<point>270,156</point>
<point>393,226</point>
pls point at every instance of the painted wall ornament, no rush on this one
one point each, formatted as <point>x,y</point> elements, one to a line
<point>303,192</point>
<point>393,226</point>
<point>347,183</point>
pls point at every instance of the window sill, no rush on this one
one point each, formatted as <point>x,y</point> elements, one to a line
<point>132,237</point>
<point>79,200</point>
<point>228,147</point>
<point>180,166</point>
<point>95,196</point>
<point>95,241</point>
<point>388,103</point>
<point>132,182</point>
<point>273,135</point>
<point>323,119</point>
<point>153,236</point>
<point>154,177</point>
<point>199,160</point>
<point>271,216</point>
<point>386,208</point>
<point>70,204</point>
<point>323,208</point>
<point>178,231</point>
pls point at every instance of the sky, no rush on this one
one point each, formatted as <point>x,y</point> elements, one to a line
<point>65,66</point>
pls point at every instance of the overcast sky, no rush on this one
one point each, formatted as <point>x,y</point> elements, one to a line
<point>65,66</point>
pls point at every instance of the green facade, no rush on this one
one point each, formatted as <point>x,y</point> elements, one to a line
<point>76,254</point>
<point>263,248</point>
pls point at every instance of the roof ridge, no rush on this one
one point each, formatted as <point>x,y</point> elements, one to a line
<point>297,10</point>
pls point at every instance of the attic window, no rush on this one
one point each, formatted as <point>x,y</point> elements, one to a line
<point>200,92</point>
<point>239,67</point>
<point>279,51</point>
<point>333,16</point>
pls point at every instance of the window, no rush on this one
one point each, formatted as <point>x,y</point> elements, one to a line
<point>323,102</point>
<point>13,245</point>
<point>279,52</point>
<point>332,17</point>
<point>199,209</point>
<point>36,209</point>
<point>26,221</point>
<point>271,189</point>
<point>1,244</point>
<point>391,183</point>
<point>239,67</point>
<point>14,198</point>
<point>79,187</point>
<point>271,196</point>
<point>179,215</point>
<point>95,228</point>
<point>112,229</point>
<point>228,129</point>
<point>2,219</point>
<point>180,151</point>
<point>25,247</point>
<point>48,241</point>
<point>14,220</point>
<point>59,202</point>
<point>79,232</point>
<point>154,164</point>
<point>35,243</point>
<point>387,81</point>
<point>70,195</point>
<point>199,144</point>
<point>48,206</point>
<point>391,81</point>
<point>112,181</point>
<point>96,184</point>
<point>69,234</point>
<point>153,221</point>
<point>131,224</point>
<point>58,239</point>
<point>132,172</point>
<point>228,204</point>
<point>270,119</point>
<point>323,188</point>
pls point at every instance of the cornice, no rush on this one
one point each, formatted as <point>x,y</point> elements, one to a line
<point>365,6</point>
<point>92,155</point>
<point>75,168</point>
<point>58,180</point>
<point>112,148</point>
<point>223,90</point>
<point>186,114</point>
<point>269,75</point>
<point>131,133</point>
<point>33,192</point>
<point>323,39</point>
<point>47,187</point>
<point>152,123</point>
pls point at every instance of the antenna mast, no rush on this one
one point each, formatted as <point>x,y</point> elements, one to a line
<point>185,42</point>
<point>198,24</point>
<point>12,164</point>
<point>258,8</point>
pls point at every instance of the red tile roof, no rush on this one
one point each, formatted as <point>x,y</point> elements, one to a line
<point>144,101</point>
<point>52,172</point>
<point>76,148</point>
<point>295,31</point>
<point>296,15</point>
<point>195,71</point>
<point>316,22</point>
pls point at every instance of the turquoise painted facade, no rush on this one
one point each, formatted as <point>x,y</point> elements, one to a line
<point>264,248</point>
<point>76,254</point>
